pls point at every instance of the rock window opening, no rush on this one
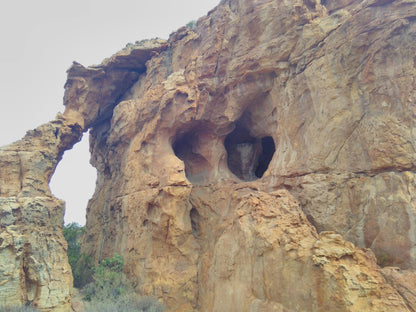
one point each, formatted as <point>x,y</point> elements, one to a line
<point>74,181</point>
<point>248,157</point>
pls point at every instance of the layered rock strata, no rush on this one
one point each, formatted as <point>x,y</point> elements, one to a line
<point>241,163</point>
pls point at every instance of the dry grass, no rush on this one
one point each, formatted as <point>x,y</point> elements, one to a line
<point>17,309</point>
<point>130,303</point>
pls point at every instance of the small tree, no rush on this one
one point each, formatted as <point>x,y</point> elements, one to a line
<point>83,271</point>
<point>73,233</point>
<point>80,263</point>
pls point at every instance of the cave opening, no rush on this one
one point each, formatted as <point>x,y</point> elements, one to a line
<point>248,157</point>
<point>268,149</point>
<point>188,148</point>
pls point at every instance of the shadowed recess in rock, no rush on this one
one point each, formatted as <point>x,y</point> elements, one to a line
<point>268,149</point>
<point>187,147</point>
<point>248,157</point>
<point>195,222</point>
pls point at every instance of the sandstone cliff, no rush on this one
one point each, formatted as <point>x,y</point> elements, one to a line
<point>264,161</point>
<point>33,263</point>
<point>34,268</point>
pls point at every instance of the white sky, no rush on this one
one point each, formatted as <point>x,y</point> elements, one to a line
<point>40,39</point>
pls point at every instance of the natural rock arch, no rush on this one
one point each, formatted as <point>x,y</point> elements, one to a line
<point>322,85</point>
<point>32,247</point>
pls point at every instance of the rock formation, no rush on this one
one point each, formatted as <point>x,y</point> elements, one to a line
<point>34,267</point>
<point>264,161</point>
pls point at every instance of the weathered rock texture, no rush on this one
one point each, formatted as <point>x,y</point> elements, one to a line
<point>241,162</point>
<point>33,263</point>
<point>34,268</point>
<point>331,91</point>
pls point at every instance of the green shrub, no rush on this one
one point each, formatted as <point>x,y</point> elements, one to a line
<point>109,281</point>
<point>83,271</point>
<point>73,233</point>
<point>114,264</point>
<point>191,25</point>
<point>81,264</point>
<point>105,287</point>
<point>111,291</point>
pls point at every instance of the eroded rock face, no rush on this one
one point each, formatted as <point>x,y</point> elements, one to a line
<point>33,263</point>
<point>241,163</point>
<point>34,266</point>
<point>329,93</point>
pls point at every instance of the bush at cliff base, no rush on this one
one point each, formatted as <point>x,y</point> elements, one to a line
<point>81,264</point>
<point>112,291</point>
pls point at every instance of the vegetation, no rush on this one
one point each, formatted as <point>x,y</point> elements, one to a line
<point>112,291</point>
<point>105,287</point>
<point>17,309</point>
<point>73,233</point>
<point>191,24</point>
<point>109,281</point>
<point>139,43</point>
<point>384,260</point>
<point>125,304</point>
<point>82,271</point>
<point>81,264</point>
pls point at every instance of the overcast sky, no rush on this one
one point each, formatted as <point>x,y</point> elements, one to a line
<point>40,40</point>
